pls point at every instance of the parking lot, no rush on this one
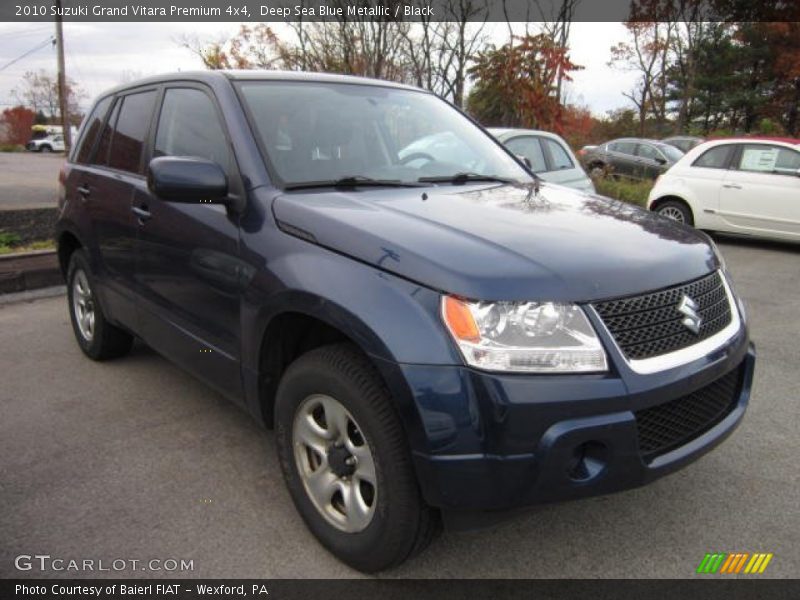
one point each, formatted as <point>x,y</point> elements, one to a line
<point>29,180</point>
<point>134,459</point>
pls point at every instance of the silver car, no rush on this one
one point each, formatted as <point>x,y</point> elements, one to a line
<point>548,154</point>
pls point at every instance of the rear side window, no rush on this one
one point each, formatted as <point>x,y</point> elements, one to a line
<point>94,123</point>
<point>623,147</point>
<point>762,158</point>
<point>529,147</point>
<point>714,158</point>
<point>131,130</point>
<point>558,155</point>
<point>189,126</point>
<point>101,156</point>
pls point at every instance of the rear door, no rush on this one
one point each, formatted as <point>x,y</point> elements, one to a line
<point>103,180</point>
<point>188,271</point>
<point>761,194</point>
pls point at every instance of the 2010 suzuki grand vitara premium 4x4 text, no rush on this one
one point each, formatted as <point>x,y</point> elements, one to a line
<point>433,334</point>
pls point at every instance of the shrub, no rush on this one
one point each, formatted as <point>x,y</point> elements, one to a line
<point>627,190</point>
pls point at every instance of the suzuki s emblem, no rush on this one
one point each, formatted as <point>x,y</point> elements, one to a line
<point>688,308</point>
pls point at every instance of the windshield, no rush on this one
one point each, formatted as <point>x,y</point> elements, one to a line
<point>320,132</point>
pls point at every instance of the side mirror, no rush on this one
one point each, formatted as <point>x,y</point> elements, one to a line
<point>525,160</point>
<point>661,161</point>
<point>187,179</point>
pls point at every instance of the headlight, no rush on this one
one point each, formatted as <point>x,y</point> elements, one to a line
<point>531,337</point>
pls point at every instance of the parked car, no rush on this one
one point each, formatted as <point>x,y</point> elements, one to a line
<point>548,155</point>
<point>443,146</point>
<point>738,185</point>
<point>429,343</point>
<point>684,143</point>
<point>632,157</point>
<point>584,151</point>
<point>51,143</point>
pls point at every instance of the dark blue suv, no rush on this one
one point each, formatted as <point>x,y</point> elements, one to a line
<point>435,334</point>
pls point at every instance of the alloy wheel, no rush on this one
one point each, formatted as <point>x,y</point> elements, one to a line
<point>335,463</point>
<point>83,305</point>
<point>672,213</point>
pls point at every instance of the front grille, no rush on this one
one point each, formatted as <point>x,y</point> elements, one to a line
<point>665,427</point>
<point>649,324</point>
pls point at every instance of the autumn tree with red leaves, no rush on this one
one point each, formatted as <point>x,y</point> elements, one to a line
<point>516,85</point>
<point>18,122</point>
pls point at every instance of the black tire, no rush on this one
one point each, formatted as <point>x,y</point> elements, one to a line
<point>402,524</point>
<point>45,148</point>
<point>597,170</point>
<point>677,210</point>
<point>106,341</point>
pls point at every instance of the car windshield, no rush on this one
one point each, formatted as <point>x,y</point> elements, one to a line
<point>672,153</point>
<point>316,132</point>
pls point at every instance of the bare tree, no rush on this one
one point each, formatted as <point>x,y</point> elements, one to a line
<point>39,91</point>
<point>431,54</point>
<point>648,54</point>
<point>556,25</point>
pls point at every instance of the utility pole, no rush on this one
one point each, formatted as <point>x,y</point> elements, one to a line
<point>62,80</point>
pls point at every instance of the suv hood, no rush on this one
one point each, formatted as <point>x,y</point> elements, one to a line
<point>502,242</point>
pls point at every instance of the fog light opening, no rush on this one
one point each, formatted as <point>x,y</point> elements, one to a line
<point>588,461</point>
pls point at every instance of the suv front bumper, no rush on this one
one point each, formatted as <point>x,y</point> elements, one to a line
<point>485,441</point>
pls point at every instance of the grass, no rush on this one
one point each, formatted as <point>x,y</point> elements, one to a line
<point>627,190</point>
<point>10,243</point>
<point>11,148</point>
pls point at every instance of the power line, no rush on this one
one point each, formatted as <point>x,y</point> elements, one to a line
<point>24,33</point>
<point>49,41</point>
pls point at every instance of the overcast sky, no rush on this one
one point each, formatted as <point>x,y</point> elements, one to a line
<point>101,55</point>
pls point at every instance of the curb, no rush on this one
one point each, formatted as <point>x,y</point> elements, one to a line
<point>31,295</point>
<point>29,271</point>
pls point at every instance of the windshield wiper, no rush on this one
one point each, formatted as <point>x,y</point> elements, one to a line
<point>350,181</point>
<point>460,178</point>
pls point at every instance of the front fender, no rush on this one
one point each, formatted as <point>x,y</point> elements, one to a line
<point>393,320</point>
<point>390,318</point>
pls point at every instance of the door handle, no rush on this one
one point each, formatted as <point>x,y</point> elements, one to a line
<point>84,191</point>
<point>732,186</point>
<point>141,213</point>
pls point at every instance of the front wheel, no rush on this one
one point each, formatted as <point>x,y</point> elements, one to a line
<point>676,210</point>
<point>346,462</point>
<point>47,149</point>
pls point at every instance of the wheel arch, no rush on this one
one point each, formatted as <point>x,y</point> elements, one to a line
<point>670,197</point>
<point>67,243</point>
<point>302,323</point>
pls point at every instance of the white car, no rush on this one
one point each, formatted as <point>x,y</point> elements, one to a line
<point>548,154</point>
<point>51,143</point>
<point>738,185</point>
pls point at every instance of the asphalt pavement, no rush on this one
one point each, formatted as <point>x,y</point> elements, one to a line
<point>29,180</point>
<point>135,460</point>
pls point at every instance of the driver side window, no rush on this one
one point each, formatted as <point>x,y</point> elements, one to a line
<point>529,147</point>
<point>189,126</point>
<point>761,158</point>
<point>648,152</point>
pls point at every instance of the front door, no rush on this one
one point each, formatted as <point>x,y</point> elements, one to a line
<point>761,194</point>
<point>188,272</point>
